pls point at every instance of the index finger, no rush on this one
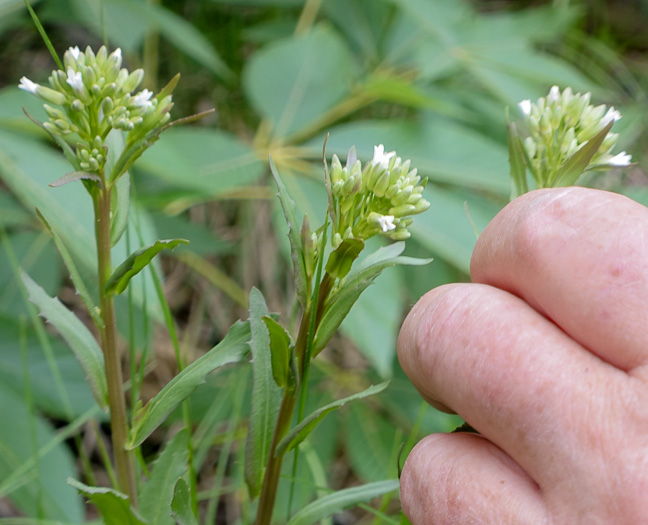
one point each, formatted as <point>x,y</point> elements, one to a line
<point>579,257</point>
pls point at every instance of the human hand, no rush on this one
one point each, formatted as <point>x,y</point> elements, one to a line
<point>546,355</point>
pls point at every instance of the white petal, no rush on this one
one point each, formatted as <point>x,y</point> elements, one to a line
<point>621,160</point>
<point>143,99</point>
<point>525,107</point>
<point>554,94</point>
<point>612,114</point>
<point>74,79</point>
<point>387,223</point>
<point>74,51</point>
<point>27,85</point>
<point>381,158</point>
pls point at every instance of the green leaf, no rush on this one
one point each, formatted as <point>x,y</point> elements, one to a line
<point>340,500</point>
<point>294,81</point>
<point>340,261</point>
<point>136,262</point>
<point>266,397</point>
<point>42,491</point>
<point>297,434</point>
<point>517,163</point>
<point>76,335</point>
<point>77,280</point>
<point>296,248</point>
<point>157,492</point>
<point>281,345</point>
<point>75,175</point>
<point>120,203</point>
<point>575,165</point>
<point>114,506</point>
<point>233,348</point>
<point>181,507</point>
<point>356,282</point>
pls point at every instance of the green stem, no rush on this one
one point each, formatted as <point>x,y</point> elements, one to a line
<point>116,401</point>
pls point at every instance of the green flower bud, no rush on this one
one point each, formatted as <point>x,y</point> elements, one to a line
<point>382,184</point>
<point>133,81</point>
<point>402,210</point>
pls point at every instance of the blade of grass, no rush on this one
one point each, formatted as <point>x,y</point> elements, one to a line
<point>43,35</point>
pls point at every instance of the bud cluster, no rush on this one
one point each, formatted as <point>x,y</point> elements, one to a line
<point>97,95</point>
<point>376,199</point>
<point>559,125</point>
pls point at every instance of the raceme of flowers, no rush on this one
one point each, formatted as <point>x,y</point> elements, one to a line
<point>376,199</point>
<point>96,95</point>
<point>562,123</point>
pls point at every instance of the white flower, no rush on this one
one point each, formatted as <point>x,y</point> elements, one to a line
<point>28,85</point>
<point>554,94</point>
<point>74,79</point>
<point>381,158</point>
<point>612,114</point>
<point>620,160</point>
<point>143,99</point>
<point>525,107</point>
<point>74,51</point>
<point>386,222</point>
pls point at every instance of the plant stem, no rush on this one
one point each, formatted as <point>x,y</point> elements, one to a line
<point>116,401</point>
<point>273,469</point>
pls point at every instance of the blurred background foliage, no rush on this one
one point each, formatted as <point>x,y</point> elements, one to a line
<point>428,78</point>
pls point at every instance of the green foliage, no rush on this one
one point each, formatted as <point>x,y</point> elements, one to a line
<point>115,508</point>
<point>181,504</point>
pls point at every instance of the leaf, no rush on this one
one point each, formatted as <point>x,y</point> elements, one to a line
<point>75,175</point>
<point>297,434</point>
<point>22,434</point>
<point>136,262</point>
<point>280,349</point>
<point>114,506</point>
<point>265,400</point>
<point>181,504</point>
<point>120,203</point>
<point>76,335</point>
<point>356,282</point>
<point>296,248</point>
<point>77,280</point>
<point>517,163</point>
<point>233,348</point>
<point>157,492</point>
<point>340,260</point>
<point>576,164</point>
<point>295,81</point>
<point>340,500</point>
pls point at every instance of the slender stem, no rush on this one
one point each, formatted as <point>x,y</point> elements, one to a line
<point>273,469</point>
<point>116,401</point>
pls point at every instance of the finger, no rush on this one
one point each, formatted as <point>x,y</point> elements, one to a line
<point>516,378</point>
<point>580,257</point>
<point>462,478</point>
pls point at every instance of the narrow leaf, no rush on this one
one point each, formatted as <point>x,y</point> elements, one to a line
<point>517,163</point>
<point>157,492</point>
<point>280,346</point>
<point>75,175</point>
<point>120,202</point>
<point>181,508</point>
<point>65,147</point>
<point>337,501</point>
<point>231,349</point>
<point>306,426</point>
<point>576,164</point>
<point>114,506</point>
<point>356,282</point>
<point>77,336</point>
<point>136,262</point>
<point>79,285</point>
<point>265,397</point>
<point>296,248</point>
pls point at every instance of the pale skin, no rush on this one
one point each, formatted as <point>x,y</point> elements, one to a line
<point>545,354</point>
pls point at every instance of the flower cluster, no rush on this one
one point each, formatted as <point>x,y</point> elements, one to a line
<point>97,95</point>
<point>376,199</point>
<point>559,125</point>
